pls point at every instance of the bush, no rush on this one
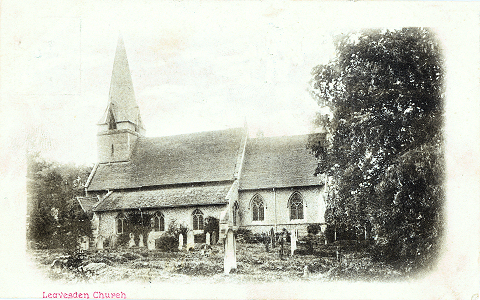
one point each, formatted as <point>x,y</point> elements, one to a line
<point>167,242</point>
<point>122,240</point>
<point>200,238</point>
<point>243,235</point>
<point>212,225</point>
<point>313,228</point>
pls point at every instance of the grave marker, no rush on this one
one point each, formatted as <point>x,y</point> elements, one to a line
<point>150,241</point>
<point>230,260</point>
<point>293,240</point>
<point>140,243</point>
<point>207,238</point>
<point>131,242</point>
<point>214,238</point>
<point>100,242</point>
<point>180,242</point>
<point>190,240</point>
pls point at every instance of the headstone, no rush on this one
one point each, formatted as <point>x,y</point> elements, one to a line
<point>272,237</point>
<point>86,243</point>
<point>207,238</point>
<point>140,243</point>
<point>293,241</point>
<point>214,238</point>
<point>306,273</point>
<point>230,260</point>
<point>100,242</point>
<point>180,241</point>
<point>151,241</point>
<point>131,242</point>
<point>266,241</point>
<point>190,240</point>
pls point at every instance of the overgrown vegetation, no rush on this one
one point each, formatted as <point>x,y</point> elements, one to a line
<point>55,218</point>
<point>382,146</point>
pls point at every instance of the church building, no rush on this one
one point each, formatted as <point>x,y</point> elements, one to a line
<point>190,179</point>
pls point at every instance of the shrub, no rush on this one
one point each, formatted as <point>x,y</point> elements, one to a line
<point>122,240</point>
<point>200,238</point>
<point>167,242</point>
<point>212,225</point>
<point>243,235</point>
<point>313,228</point>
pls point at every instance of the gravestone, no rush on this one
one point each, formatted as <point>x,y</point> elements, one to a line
<point>180,241</point>
<point>140,243</point>
<point>190,240</point>
<point>100,242</point>
<point>131,242</point>
<point>293,240</point>
<point>230,260</point>
<point>151,241</point>
<point>266,241</point>
<point>272,237</point>
<point>214,238</point>
<point>84,243</point>
<point>207,238</point>
<point>306,273</point>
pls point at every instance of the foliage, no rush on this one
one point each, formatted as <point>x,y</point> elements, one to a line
<point>313,228</point>
<point>382,140</point>
<point>167,242</point>
<point>212,224</point>
<point>55,218</point>
<point>177,229</point>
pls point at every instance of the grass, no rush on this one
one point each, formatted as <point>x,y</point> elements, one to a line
<point>253,264</point>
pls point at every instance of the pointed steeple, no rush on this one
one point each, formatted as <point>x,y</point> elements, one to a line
<point>121,103</point>
<point>121,125</point>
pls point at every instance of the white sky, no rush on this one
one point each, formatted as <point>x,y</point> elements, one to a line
<point>206,66</point>
<point>195,66</point>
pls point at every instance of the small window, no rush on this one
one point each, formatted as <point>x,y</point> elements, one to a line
<point>258,208</point>
<point>296,206</point>
<point>111,121</point>
<point>120,223</point>
<point>235,213</point>
<point>197,217</point>
<point>158,222</point>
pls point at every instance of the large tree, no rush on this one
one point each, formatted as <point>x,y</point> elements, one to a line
<point>55,218</point>
<point>384,137</point>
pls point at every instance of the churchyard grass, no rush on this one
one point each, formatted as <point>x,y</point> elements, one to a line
<point>254,264</point>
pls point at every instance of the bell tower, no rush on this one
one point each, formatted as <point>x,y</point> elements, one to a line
<point>121,124</point>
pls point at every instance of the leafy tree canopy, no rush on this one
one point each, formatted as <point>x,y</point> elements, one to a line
<point>384,141</point>
<point>55,218</point>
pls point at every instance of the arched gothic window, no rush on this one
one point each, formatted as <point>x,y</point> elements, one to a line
<point>296,206</point>
<point>120,223</point>
<point>158,222</point>
<point>235,214</point>
<point>197,217</point>
<point>258,208</point>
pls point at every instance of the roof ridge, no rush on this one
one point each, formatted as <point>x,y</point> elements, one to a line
<point>186,134</point>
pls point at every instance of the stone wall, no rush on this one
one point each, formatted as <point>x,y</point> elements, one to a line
<point>181,216</point>
<point>277,211</point>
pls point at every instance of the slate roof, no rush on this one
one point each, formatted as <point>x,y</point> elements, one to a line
<point>213,194</point>
<point>87,203</point>
<point>278,162</point>
<point>188,158</point>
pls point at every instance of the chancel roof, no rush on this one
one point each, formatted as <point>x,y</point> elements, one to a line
<point>176,196</point>
<point>277,162</point>
<point>172,160</point>
<point>87,203</point>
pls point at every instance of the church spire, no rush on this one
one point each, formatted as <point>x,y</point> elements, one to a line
<point>121,125</point>
<point>121,100</point>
